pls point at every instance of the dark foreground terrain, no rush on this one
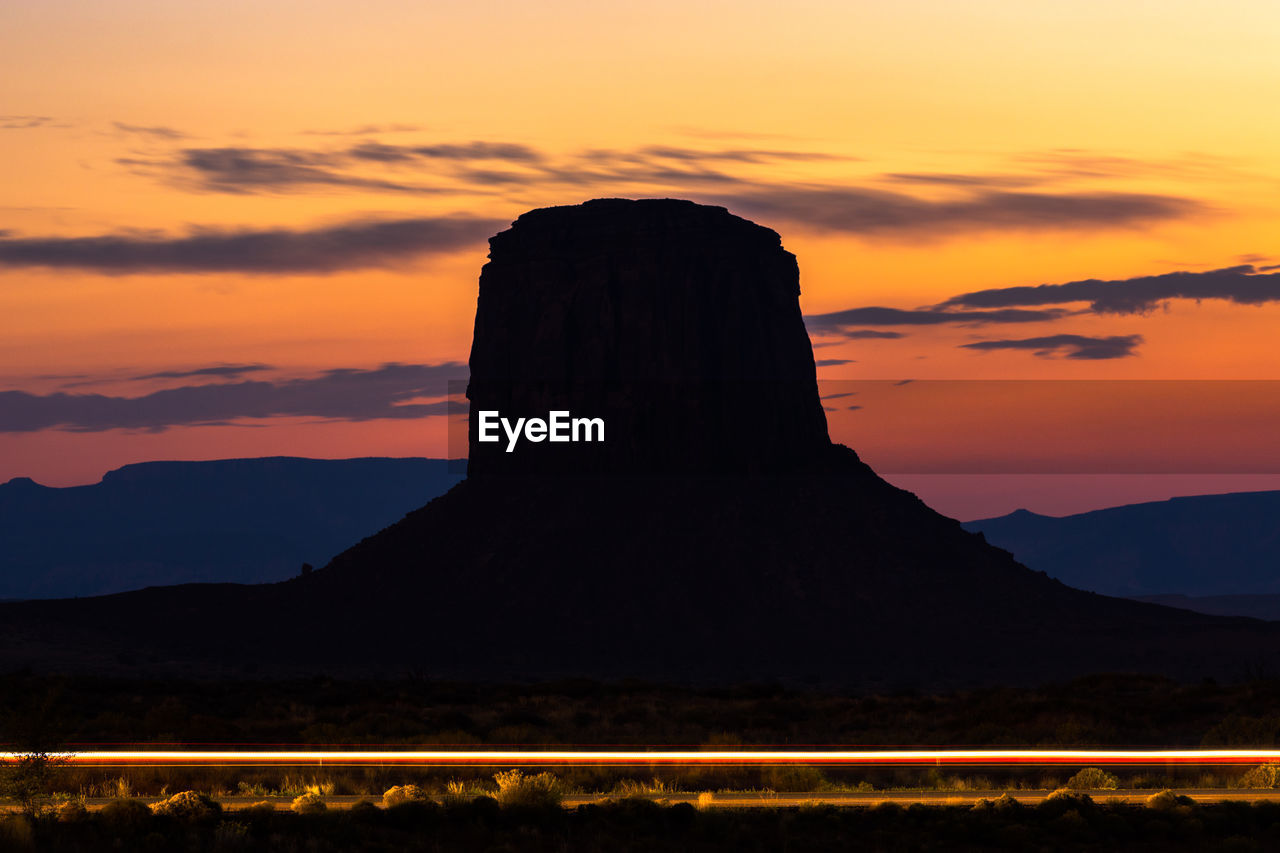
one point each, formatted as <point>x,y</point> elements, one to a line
<point>1062,823</point>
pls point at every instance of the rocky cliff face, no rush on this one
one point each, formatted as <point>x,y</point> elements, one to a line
<point>676,323</point>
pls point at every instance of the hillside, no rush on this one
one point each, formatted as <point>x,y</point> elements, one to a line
<point>232,520</point>
<point>1208,545</point>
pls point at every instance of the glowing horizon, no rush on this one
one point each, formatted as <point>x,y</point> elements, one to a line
<point>305,191</point>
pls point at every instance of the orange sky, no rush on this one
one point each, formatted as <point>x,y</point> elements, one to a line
<point>159,160</point>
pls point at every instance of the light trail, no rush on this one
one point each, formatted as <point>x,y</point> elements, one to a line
<point>543,758</point>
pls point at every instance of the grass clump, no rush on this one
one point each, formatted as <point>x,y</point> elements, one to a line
<point>653,788</point>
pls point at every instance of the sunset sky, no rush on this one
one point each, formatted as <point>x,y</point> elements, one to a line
<point>248,229</point>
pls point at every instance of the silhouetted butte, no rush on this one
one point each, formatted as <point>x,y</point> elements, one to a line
<point>716,535</point>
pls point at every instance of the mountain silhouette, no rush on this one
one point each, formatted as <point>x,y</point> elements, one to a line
<point>230,520</point>
<point>715,535</point>
<point>1201,546</point>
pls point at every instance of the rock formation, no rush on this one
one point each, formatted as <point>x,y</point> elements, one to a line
<point>679,324</point>
<point>716,535</point>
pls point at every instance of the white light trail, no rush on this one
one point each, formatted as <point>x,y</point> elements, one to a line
<point>658,756</point>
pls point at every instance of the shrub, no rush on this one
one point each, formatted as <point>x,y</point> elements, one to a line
<point>1263,776</point>
<point>794,778</point>
<point>1002,805</point>
<point>521,791</point>
<point>72,811</point>
<point>28,779</point>
<point>16,833</point>
<point>1093,779</point>
<point>365,811</point>
<point>403,794</point>
<point>1065,800</point>
<point>259,811</point>
<point>230,835</point>
<point>309,804</point>
<point>125,816</point>
<point>1166,800</point>
<point>189,806</point>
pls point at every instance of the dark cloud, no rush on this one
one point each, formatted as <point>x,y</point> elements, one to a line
<point>855,210</point>
<point>225,371</point>
<point>869,334</point>
<point>839,395</point>
<point>353,245</point>
<point>475,150</point>
<point>255,170</point>
<point>836,321</point>
<point>948,179</point>
<point>464,164</point>
<point>734,155</point>
<point>853,408</point>
<point>259,170</point>
<point>155,131</point>
<point>349,394</point>
<point>832,362</point>
<point>1245,285</point>
<point>15,122</point>
<point>1074,346</point>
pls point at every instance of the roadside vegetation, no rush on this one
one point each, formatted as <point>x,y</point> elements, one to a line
<point>1067,821</point>
<point>417,713</point>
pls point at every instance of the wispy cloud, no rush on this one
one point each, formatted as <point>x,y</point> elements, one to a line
<point>474,150</point>
<point>1070,346</point>
<point>257,170</point>
<point>223,371</point>
<point>349,394</point>
<point>1244,284</point>
<point>27,122</point>
<point>916,205</point>
<point>836,322</point>
<point>868,334</point>
<point>366,130</point>
<point>153,131</point>
<point>856,210</point>
<point>951,179</point>
<point>325,249</point>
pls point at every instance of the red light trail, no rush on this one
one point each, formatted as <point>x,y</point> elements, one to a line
<point>531,758</point>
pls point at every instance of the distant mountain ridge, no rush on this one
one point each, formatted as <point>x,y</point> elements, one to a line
<point>1199,546</point>
<point>226,521</point>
